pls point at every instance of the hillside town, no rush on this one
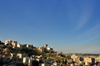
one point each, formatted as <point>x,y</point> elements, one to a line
<point>13,53</point>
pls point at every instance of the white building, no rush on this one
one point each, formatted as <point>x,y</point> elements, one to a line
<point>45,46</point>
<point>56,64</point>
<point>44,64</point>
<point>48,48</point>
<point>74,57</point>
<point>19,45</point>
<point>30,60</point>
<point>19,55</point>
<point>72,65</point>
<point>22,55</point>
<point>89,60</point>
<point>25,59</point>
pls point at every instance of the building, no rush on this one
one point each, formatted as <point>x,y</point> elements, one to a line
<point>12,56</point>
<point>41,49</point>
<point>44,64</point>
<point>74,57</point>
<point>11,42</point>
<point>48,49</point>
<point>98,59</point>
<point>19,45</point>
<point>6,58</point>
<point>24,60</point>
<point>69,61</point>
<point>89,60</point>
<point>8,42</point>
<point>29,46</point>
<point>14,44</point>
<point>6,51</point>
<point>56,64</point>
<point>45,46</point>
<point>19,55</point>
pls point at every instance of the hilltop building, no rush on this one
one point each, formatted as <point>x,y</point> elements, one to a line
<point>11,42</point>
<point>45,48</point>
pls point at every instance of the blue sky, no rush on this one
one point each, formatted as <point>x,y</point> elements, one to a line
<point>71,26</point>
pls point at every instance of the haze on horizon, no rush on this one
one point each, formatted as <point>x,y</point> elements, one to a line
<point>70,26</point>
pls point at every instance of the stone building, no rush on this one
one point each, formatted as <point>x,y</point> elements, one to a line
<point>89,60</point>
<point>11,42</point>
<point>45,46</point>
<point>19,45</point>
<point>6,51</point>
<point>98,59</point>
<point>21,55</point>
<point>48,49</point>
<point>29,46</point>
<point>74,57</point>
<point>12,56</point>
<point>41,49</point>
<point>14,44</point>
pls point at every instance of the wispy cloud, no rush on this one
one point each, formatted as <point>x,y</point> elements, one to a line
<point>91,31</point>
<point>94,28</point>
<point>94,38</point>
<point>86,14</point>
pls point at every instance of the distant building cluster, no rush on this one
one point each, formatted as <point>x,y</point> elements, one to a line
<point>85,61</point>
<point>6,56</point>
<point>13,44</point>
<point>12,58</point>
<point>45,48</point>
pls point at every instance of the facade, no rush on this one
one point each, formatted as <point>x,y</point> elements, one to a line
<point>19,45</point>
<point>89,60</point>
<point>74,57</point>
<point>24,60</point>
<point>56,64</point>
<point>29,46</point>
<point>69,61</point>
<point>8,42</point>
<point>21,55</point>
<point>12,55</point>
<point>48,48</point>
<point>6,58</point>
<point>6,51</point>
<point>11,42</point>
<point>98,59</point>
<point>45,46</point>
<point>14,44</point>
<point>41,49</point>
